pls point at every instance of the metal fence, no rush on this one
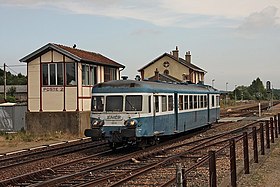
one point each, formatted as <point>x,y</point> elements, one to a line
<point>12,117</point>
<point>261,137</point>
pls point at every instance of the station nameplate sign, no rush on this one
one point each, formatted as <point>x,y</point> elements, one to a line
<point>52,89</point>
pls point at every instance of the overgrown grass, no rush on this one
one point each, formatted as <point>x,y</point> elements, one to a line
<point>232,103</point>
<point>23,136</point>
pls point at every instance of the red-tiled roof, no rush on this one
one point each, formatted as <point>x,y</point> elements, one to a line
<point>73,53</point>
<point>90,56</point>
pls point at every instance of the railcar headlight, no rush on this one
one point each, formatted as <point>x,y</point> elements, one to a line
<point>130,122</point>
<point>96,122</point>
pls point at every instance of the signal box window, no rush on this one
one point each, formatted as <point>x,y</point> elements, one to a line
<point>110,74</point>
<point>71,74</point>
<point>170,103</point>
<point>52,74</point>
<point>89,74</point>
<point>133,103</point>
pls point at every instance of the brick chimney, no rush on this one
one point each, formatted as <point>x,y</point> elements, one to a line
<point>157,74</point>
<point>188,57</point>
<point>176,53</point>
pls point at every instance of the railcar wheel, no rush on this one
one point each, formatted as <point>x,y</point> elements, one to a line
<point>142,144</point>
<point>113,146</point>
<point>154,141</point>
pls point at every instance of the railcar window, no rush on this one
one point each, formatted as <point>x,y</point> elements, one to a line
<point>149,104</point>
<point>133,103</point>
<point>186,101</point>
<point>205,101</point>
<point>114,103</point>
<point>191,102</point>
<point>156,103</point>
<point>164,103</point>
<point>195,101</point>
<point>218,100</point>
<point>201,101</point>
<point>97,103</point>
<point>180,102</point>
<point>170,103</point>
<point>213,101</point>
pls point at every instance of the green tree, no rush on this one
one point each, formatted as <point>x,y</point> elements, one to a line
<point>11,91</point>
<point>12,79</point>
<point>257,90</point>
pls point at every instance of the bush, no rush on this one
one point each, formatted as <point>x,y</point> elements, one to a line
<point>10,99</point>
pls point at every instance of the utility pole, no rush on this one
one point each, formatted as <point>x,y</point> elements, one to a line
<point>226,95</point>
<point>5,80</point>
<point>235,94</point>
<point>271,95</point>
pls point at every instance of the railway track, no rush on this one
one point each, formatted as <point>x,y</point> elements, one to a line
<point>120,169</point>
<point>43,148</point>
<point>26,160</point>
<point>247,110</point>
<point>154,165</point>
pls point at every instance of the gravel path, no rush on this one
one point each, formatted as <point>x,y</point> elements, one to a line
<point>267,173</point>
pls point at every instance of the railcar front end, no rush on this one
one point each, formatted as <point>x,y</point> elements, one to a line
<point>118,118</point>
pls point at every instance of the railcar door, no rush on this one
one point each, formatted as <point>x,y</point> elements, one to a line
<point>155,112</point>
<point>176,110</point>
<point>208,108</point>
<point>217,107</point>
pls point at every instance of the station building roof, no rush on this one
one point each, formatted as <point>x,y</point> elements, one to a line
<point>180,60</point>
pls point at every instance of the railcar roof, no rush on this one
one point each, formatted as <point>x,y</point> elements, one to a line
<point>132,86</point>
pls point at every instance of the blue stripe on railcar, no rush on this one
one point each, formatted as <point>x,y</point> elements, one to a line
<point>165,124</point>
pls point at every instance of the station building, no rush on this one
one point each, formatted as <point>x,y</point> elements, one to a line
<point>172,68</point>
<point>59,85</point>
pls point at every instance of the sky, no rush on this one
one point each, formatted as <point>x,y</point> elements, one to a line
<point>235,41</point>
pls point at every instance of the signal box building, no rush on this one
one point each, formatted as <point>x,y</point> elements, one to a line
<point>172,68</point>
<point>60,79</point>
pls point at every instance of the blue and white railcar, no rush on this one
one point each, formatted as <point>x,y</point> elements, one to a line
<point>141,112</point>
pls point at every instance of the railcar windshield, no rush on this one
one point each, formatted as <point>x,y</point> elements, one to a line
<point>114,103</point>
<point>133,103</point>
<point>97,103</point>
